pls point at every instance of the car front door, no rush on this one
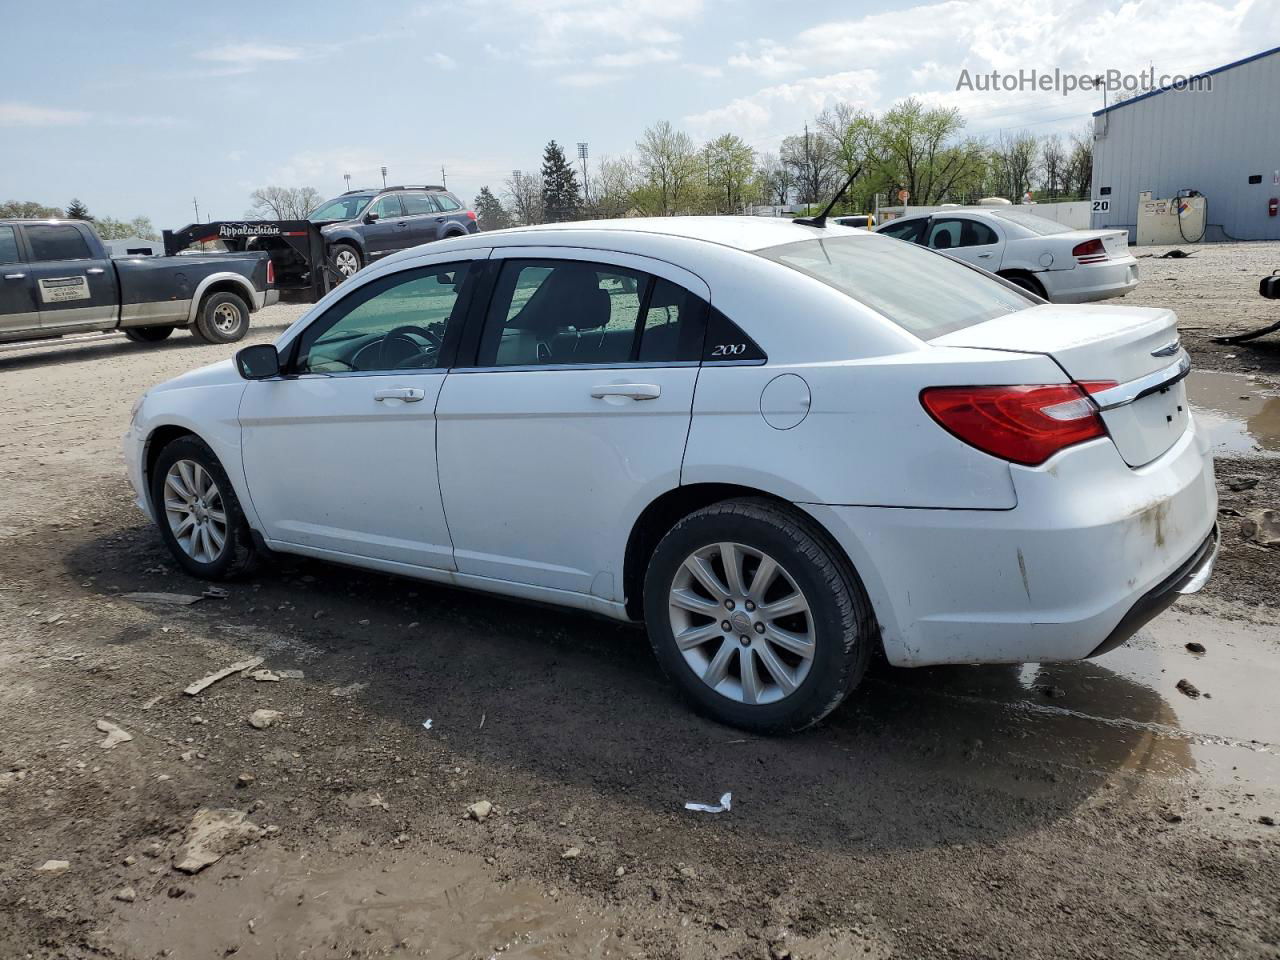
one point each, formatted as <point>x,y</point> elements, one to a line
<point>421,215</point>
<point>74,288</point>
<point>966,239</point>
<point>390,231</point>
<point>19,312</point>
<point>340,452</point>
<point>572,417</point>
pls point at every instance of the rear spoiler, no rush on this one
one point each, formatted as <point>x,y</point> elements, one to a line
<point>295,247</point>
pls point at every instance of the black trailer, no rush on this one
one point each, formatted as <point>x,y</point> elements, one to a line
<point>1268,287</point>
<point>296,249</point>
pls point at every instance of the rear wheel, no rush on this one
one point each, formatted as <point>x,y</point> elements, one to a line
<point>755,618</point>
<point>148,334</point>
<point>223,318</point>
<point>196,509</point>
<point>1030,284</point>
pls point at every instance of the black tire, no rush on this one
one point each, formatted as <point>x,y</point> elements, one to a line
<point>148,334</point>
<point>343,255</point>
<point>1029,284</point>
<point>840,616</point>
<point>223,318</point>
<point>238,555</point>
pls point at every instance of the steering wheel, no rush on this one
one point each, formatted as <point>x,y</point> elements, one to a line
<point>401,333</point>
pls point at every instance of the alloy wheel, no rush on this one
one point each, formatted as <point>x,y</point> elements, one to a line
<point>346,262</point>
<point>195,511</point>
<point>742,623</point>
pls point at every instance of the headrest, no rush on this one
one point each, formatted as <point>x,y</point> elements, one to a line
<point>942,241</point>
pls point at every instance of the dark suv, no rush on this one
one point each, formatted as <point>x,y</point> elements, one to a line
<point>363,225</point>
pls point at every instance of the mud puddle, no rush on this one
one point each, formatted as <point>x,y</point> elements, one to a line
<point>358,902</point>
<point>1241,416</point>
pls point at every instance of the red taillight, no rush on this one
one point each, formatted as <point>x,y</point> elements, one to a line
<point>1023,424</point>
<point>271,274</point>
<point>1091,251</point>
<point>471,214</point>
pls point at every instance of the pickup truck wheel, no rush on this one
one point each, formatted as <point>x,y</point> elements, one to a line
<point>148,334</point>
<point>346,259</point>
<point>196,509</point>
<point>224,318</point>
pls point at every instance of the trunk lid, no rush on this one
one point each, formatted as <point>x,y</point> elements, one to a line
<point>1126,345</point>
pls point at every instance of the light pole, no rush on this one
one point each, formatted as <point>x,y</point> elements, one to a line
<point>384,178</point>
<point>586,186</point>
<point>347,177</point>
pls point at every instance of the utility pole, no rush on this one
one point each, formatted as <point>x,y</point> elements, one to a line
<point>196,203</point>
<point>444,181</point>
<point>347,177</point>
<point>586,185</point>
<point>384,178</point>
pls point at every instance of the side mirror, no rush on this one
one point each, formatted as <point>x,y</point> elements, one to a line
<point>370,217</point>
<point>259,362</point>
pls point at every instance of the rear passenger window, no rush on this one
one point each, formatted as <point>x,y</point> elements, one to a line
<point>8,245</point>
<point>416,204</point>
<point>56,243</point>
<point>569,312</point>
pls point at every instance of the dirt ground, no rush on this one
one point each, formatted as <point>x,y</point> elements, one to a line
<point>1072,810</point>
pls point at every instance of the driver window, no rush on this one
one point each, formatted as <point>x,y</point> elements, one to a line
<point>394,323</point>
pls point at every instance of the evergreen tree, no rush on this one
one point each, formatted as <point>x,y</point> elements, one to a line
<point>490,211</point>
<point>560,197</point>
<point>78,211</point>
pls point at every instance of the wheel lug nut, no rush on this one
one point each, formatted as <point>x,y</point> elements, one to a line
<point>745,640</point>
<point>726,626</point>
<point>759,628</point>
<point>750,605</point>
<point>728,604</point>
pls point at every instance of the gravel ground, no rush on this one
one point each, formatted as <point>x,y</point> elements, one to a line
<point>1074,810</point>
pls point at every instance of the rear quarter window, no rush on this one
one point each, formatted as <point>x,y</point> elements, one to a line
<point>925,293</point>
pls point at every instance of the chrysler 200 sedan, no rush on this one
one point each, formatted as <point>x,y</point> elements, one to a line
<point>780,446</point>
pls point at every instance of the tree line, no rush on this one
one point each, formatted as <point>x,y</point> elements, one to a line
<point>108,227</point>
<point>911,146</point>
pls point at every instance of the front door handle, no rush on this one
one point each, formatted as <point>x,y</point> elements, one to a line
<point>14,276</point>
<point>984,256</point>
<point>94,270</point>
<point>632,391</point>
<point>407,394</point>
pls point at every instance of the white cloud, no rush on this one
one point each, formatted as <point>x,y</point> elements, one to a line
<point>441,60</point>
<point>251,53</point>
<point>703,70</point>
<point>635,58</point>
<point>770,60</point>
<point>30,115</point>
<point>586,79</point>
<point>775,111</point>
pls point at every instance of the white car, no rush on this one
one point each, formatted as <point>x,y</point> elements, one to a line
<point>1054,262</point>
<point>780,446</point>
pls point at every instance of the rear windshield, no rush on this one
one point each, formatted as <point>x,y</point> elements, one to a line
<point>923,292</point>
<point>1041,225</point>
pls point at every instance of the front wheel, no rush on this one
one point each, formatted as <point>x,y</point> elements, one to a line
<point>148,334</point>
<point>346,259</point>
<point>223,318</point>
<point>196,509</point>
<point>755,618</point>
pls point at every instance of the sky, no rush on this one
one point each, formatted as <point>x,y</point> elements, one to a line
<point>138,108</point>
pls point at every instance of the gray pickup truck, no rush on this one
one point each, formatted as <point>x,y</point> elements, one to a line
<point>56,278</point>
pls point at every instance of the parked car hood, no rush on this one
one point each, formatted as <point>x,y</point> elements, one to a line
<point>215,374</point>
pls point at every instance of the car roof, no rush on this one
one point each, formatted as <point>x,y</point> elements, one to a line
<point>741,233</point>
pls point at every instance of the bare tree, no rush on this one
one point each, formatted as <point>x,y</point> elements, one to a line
<point>669,163</point>
<point>1014,161</point>
<point>524,197</point>
<point>774,179</point>
<point>1053,166</point>
<point>813,162</point>
<point>613,187</point>
<point>1079,174</point>
<point>284,203</point>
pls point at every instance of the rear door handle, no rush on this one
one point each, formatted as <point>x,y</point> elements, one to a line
<point>632,391</point>
<point>14,276</point>
<point>407,394</point>
<point>984,256</point>
<point>94,270</point>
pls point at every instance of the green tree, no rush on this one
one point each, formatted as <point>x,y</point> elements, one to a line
<point>669,164</point>
<point>561,198</point>
<point>78,211</point>
<point>28,209</point>
<point>919,149</point>
<point>730,162</point>
<point>111,229</point>
<point>490,211</point>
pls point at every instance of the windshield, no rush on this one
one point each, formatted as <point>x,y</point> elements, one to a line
<point>923,292</point>
<point>1041,225</point>
<point>343,208</point>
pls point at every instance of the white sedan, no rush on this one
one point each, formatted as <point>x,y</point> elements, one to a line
<point>1054,262</point>
<point>781,446</point>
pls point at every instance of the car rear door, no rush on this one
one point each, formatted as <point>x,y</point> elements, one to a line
<point>421,216</point>
<point>74,288</point>
<point>967,239</point>
<point>19,312</point>
<point>571,417</point>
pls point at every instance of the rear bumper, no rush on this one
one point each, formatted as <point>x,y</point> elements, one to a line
<point>1053,578</point>
<point>265,298</point>
<point>1088,282</point>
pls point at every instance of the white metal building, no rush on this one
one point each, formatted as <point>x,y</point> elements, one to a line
<point>1223,142</point>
